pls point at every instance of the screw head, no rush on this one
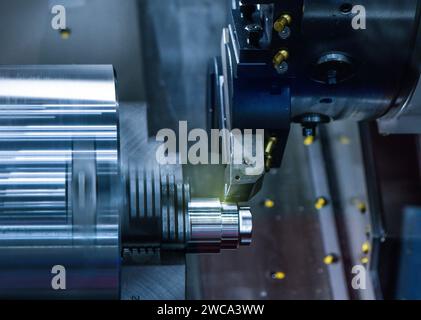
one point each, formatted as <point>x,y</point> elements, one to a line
<point>285,33</point>
<point>309,140</point>
<point>366,247</point>
<point>282,68</point>
<point>320,203</point>
<point>309,131</point>
<point>268,203</point>
<point>278,275</point>
<point>330,259</point>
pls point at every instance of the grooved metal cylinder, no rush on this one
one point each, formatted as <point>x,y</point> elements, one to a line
<point>155,214</point>
<point>159,214</point>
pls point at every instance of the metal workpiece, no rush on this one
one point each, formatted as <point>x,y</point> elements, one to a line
<point>67,88</point>
<point>160,215</point>
<point>159,212</point>
<point>245,225</point>
<point>58,174</point>
<point>215,226</point>
<point>155,211</point>
<point>80,186</point>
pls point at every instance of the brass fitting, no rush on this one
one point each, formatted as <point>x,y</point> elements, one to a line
<point>330,259</point>
<point>320,203</point>
<point>366,247</point>
<point>280,57</point>
<point>268,152</point>
<point>283,21</point>
<point>269,203</point>
<point>278,275</point>
<point>309,140</point>
<point>270,145</point>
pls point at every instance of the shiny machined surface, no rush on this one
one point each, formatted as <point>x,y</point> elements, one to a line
<point>215,225</point>
<point>245,225</point>
<point>58,174</point>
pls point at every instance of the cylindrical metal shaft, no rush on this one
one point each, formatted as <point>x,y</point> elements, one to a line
<point>59,220</point>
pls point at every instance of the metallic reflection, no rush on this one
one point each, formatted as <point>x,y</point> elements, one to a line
<point>58,181</point>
